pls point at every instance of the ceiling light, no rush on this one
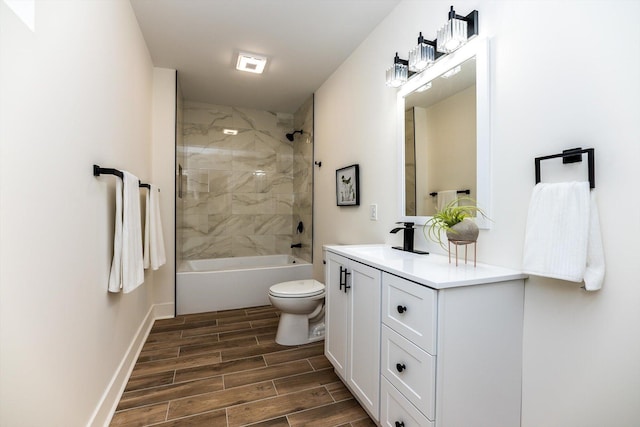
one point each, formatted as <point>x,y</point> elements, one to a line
<point>230,131</point>
<point>251,63</point>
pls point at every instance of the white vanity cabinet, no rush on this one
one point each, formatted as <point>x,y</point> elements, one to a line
<point>450,338</point>
<point>352,317</point>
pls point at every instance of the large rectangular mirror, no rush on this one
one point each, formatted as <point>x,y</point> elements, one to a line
<point>443,134</point>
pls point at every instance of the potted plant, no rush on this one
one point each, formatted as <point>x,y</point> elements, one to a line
<point>455,219</point>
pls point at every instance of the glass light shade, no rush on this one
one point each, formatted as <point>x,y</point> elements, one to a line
<point>397,75</point>
<point>452,35</point>
<point>421,57</point>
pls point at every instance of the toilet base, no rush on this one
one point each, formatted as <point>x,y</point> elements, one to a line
<point>295,329</point>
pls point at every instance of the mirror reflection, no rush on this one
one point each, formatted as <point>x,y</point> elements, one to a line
<point>440,141</point>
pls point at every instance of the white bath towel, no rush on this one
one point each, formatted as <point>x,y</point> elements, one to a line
<point>115,276</point>
<point>444,198</point>
<point>154,255</point>
<point>563,239</point>
<point>127,271</point>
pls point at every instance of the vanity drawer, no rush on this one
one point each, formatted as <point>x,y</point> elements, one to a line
<point>410,369</point>
<point>395,409</point>
<point>410,309</point>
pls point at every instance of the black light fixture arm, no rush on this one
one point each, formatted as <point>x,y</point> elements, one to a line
<point>398,60</point>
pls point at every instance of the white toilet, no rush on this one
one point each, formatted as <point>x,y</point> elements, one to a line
<point>301,305</point>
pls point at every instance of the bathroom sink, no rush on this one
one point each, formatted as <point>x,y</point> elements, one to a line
<point>377,251</point>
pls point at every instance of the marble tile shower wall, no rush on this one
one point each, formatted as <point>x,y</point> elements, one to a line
<point>239,196</point>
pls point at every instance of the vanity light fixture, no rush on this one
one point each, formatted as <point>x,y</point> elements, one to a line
<point>398,73</point>
<point>423,55</point>
<point>230,131</point>
<point>251,63</point>
<point>451,37</point>
<point>457,31</point>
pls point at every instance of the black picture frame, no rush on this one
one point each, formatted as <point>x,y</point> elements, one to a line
<point>348,186</point>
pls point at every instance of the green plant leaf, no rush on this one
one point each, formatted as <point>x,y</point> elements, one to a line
<point>453,213</point>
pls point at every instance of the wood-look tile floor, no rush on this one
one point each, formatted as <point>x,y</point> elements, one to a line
<point>225,369</point>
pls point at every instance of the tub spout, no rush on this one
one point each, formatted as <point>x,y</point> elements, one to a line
<point>296,245</point>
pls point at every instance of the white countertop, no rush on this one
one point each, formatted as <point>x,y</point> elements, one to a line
<point>430,270</point>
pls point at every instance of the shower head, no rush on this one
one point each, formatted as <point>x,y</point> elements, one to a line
<point>292,134</point>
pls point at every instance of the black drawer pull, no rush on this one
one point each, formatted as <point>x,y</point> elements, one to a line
<point>400,367</point>
<point>402,309</point>
<point>399,424</point>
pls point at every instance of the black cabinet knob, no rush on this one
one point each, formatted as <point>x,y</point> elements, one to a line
<point>399,424</point>
<point>400,367</point>
<point>401,309</point>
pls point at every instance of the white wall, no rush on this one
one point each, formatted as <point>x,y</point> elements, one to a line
<point>75,92</point>
<point>163,157</point>
<point>560,79</point>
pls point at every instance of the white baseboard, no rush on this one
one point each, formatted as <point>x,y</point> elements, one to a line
<point>164,311</point>
<point>111,396</point>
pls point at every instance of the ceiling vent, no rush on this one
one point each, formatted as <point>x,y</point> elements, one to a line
<point>251,63</point>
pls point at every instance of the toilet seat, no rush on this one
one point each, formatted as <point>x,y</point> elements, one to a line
<point>297,289</point>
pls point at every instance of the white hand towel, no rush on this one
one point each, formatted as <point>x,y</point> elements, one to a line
<point>154,255</point>
<point>444,198</point>
<point>594,274</point>
<point>562,239</point>
<point>115,276</point>
<point>132,263</point>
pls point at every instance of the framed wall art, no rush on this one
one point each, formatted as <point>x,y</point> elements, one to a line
<point>348,186</point>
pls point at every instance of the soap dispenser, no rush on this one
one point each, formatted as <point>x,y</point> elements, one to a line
<point>407,244</point>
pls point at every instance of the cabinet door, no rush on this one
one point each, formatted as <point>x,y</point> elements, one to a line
<point>336,313</point>
<point>364,335</point>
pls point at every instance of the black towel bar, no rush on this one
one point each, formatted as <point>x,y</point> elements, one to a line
<point>97,171</point>
<point>572,155</point>
<point>435,193</point>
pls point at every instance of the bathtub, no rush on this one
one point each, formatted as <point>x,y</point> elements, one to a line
<point>227,283</point>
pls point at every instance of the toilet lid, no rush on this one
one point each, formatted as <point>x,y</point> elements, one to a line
<point>297,289</point>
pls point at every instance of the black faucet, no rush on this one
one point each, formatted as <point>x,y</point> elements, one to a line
<point>407,243</point>
<point>296,245</point>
